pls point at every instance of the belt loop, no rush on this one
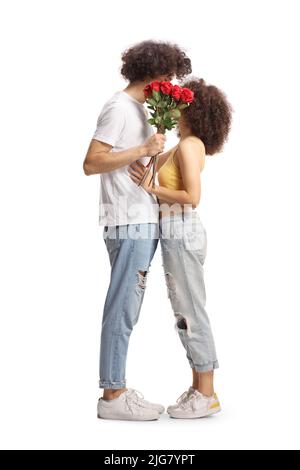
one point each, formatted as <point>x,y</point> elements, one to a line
<point>182,214</point>
<point>172,228</point>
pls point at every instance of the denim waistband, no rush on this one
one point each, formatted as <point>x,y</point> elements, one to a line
<point>182,217</point>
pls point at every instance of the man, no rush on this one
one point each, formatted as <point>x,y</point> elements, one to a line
<point>129,215</point>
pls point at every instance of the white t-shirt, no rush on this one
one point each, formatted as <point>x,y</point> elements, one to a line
<point>123,124</point>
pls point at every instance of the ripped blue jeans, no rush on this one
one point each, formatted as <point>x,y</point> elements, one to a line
<point>131,249</point>
<point>183,242</point>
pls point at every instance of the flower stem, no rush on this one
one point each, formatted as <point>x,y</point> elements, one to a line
<point>160,130</point>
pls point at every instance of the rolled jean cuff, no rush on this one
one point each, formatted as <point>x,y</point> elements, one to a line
<point>112,385</point>
<point>207,367</point>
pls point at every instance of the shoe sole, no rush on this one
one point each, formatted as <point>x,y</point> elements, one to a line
<point>127,419</point>
<point>209,413</point>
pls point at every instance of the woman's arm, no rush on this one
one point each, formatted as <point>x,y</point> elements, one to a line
<point>191,159</point>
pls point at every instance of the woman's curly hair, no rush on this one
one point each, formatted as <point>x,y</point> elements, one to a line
<point>209,115</point>
<point>149,59</point>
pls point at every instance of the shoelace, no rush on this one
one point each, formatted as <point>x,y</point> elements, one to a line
<point>134,398</point>
<point>182,398</point>
<point>191,402</point>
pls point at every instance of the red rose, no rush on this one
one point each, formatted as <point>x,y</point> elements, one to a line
<point>147,91</point>
<point>166,88</point>
<point>176,92</point>
<point>155,86</point>
<point>187,95</point>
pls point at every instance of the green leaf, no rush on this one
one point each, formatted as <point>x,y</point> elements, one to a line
<point>151,121</point>
<point>162,104</point>
<point>153,114</point>
<point>175,113</point>
<point>156,95</point>
<point>152,102</point>
<point>158,120</point>
<point>182,106</point>
<point>166,124</point>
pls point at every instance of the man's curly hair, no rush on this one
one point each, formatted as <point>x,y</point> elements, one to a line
<point>209,115</point>
<point>149,59</point>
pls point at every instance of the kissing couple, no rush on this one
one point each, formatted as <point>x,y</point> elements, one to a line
<point>136,216</point>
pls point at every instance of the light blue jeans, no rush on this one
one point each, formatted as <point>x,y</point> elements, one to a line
<point>131,249</point>
<point>183,242</point>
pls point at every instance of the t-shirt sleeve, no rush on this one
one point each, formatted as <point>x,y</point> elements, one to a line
<point>110,125</point>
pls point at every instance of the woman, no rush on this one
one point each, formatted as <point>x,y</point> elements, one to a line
<point>203,129</point>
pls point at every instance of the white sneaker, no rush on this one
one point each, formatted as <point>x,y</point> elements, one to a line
<point>147,404</point>
<point>128,406</point>
<point>181,399</point>
<point>197,406</point>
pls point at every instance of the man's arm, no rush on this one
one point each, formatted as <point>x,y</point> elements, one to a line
<point>100,159</point>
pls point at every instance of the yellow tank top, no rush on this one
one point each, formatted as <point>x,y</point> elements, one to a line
<point>169,174</point>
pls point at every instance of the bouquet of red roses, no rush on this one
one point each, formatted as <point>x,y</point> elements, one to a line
<point>165,101</point>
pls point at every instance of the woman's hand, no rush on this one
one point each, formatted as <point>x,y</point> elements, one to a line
<point>136,171</point>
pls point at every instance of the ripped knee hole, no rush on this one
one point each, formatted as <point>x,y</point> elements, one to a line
<point>142,279</point>
<point>182,323</point>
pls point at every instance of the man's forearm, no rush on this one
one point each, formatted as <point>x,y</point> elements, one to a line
<point>105,162</point>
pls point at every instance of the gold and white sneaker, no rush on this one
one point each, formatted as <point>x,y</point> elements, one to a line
<point>184,397</point>
<point>196,406</point>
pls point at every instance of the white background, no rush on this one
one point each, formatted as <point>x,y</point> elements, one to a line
<point>60,61</point>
